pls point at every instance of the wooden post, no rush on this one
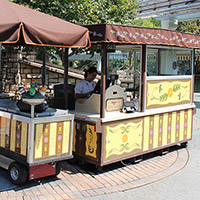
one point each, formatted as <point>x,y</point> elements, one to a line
<point>192,73</point>
<point>65,86</point>
<point>103,79</point>
<point>134,74</point>
<point>44,69</point>
<point>142,77</point>
<point>0,57</point>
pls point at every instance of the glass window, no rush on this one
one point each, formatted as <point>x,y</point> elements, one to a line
<point>84,61</point>
<point>123,69</point>
<point>197,71</point>
<point>168,61</point>
<point>125,64</point>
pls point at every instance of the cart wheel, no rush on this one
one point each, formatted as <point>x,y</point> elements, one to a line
<point>184,145</point>
<point>17,173</point>
<point>81,162</point>
<point>58,168</point>
<point>99,168</point>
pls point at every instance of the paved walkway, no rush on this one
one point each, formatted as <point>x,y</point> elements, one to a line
<point>75,182</point>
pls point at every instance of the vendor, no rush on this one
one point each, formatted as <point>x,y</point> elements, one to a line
<point>84,88</point>
<point>182,70</point>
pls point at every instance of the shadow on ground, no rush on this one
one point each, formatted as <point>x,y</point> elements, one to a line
<point>90,168</point>
<point>72,168</point>
<point>5,183</point>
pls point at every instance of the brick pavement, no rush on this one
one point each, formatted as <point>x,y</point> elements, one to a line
<point>75,182</point>
<point>196,124</point>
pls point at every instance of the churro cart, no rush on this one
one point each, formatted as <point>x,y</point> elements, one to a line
<point>31,144</point>
<point>148,105</point>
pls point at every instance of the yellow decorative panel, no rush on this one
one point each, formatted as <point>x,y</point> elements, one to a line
<point>160,129</point>
<point>52,140</point>
<point>167,93</point>
<point>169,129</point>
<point>24,133</point>
<point>74,138</point>
<point>146,134</point>
<point>3,131</point>
<point>59,137</point>
<point>38,141</point>
<point>91,141</point>
<point>7,135</point>
<point>66,137</point>
<point>188,125</point>
<point>178,124</point>
<point>174,126</point>
<point>181,124</point>
<point>124,138</point>
<point>46,139</point>
<point>155,134</point>
<point>165,128</point>
<point>185,120</point>
<point>151,132</point>
<point>12,135</point>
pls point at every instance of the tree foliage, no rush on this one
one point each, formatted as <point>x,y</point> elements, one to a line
<point>189,27</point>
<point>92,11</point>
<point>87,11</point>
<point>152,23</point>
<point>194,28</point>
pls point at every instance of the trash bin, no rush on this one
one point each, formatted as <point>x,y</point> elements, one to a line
<point>59,96</point>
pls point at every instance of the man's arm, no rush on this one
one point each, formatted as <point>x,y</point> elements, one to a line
<point>77,96</point>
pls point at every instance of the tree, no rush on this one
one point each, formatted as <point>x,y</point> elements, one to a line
<point>193,27</point>
<point>87,11</point>
<point>152,23</point>
<point>189,27</point>
<point>92,11</point>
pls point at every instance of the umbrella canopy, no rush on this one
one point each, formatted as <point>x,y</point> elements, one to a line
<point>24,26</point>
<point>123,34</point>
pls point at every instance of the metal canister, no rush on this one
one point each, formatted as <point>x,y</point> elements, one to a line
<point>22,90</point>
<point>43,90</point>
<point>32,92</point>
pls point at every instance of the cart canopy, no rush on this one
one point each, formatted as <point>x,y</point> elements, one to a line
<point>24,26</point>
<point>139,35</point>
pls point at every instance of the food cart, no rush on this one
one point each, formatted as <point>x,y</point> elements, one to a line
<point>148,105</point>
<point>33,143</point>
<point>32,146</point>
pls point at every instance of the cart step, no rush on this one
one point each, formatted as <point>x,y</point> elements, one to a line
<point>5,162</point>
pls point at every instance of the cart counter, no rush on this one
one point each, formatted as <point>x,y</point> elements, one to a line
<point>120,136</point>
<point>45,138</point>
